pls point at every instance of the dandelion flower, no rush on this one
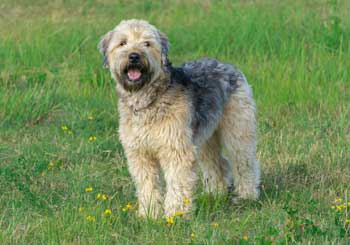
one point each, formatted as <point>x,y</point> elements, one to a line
<point>193,235</point>
<point>245,238</point>
<point>170,220</point>
<point>89,189</point>
<point>81,209</point>
<point>51,165</point>
<point>101,196</point>
<point>107,212</point>
<point>179,213</point>
<point>215,225</point>
<point>90,218</point>
<point>91,118</point>
<point>339,207</point>
<point>187,201</point>
<point>64,128</point>
<point>338,200</point>
<point>92,138</point>
<point>127,207</point>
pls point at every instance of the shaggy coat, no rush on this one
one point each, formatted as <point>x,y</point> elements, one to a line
<point>176,119</point>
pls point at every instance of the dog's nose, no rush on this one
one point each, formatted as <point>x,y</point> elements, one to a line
<point>134,58</point>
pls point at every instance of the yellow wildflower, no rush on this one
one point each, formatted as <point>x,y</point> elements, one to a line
<point>81,209</point>
<point>127,207</point>
<point>245,238</point>
<point>51,165</point>
<point>98,196</point>
<point>215,225</point>
<point>332,207</point>
<point>64,128</point>
<point>179,213</point>
<point>92,138</point>
<point>193,235</point>
<point>107,212</point>
<point>170,220</point>
<point>187,201</point>
<point>91,118</point>
<point>338,200</point>
<point>104,197</point>
<point>90,218</point>
<point>347,221</point>
<point>339,207</point>
<point>89,189</point>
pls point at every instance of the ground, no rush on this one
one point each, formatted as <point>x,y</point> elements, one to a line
<point>63,175</point>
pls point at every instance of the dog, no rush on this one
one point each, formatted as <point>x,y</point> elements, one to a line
<point>178,120</point>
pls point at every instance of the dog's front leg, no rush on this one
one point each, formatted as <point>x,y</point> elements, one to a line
<point>180,176</point>
<point>146,172</point>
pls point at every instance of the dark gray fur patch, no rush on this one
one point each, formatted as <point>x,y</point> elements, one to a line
<point>210,83</point>
<point>103,47</point>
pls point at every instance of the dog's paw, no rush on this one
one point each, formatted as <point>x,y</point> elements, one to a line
<point>250,194</point>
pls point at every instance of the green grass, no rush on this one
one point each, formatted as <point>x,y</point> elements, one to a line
<point>295,55</point>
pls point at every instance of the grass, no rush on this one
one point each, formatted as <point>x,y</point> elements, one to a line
<point>295,55</point>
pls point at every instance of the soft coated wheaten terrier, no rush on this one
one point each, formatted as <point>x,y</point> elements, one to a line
<point>175,119</point>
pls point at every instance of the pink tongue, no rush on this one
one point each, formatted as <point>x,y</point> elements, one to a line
<point>134,74</point>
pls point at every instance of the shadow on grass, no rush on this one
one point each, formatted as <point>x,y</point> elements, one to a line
<point>282,184</point>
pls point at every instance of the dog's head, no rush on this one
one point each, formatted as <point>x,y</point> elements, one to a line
<point>135,52</point>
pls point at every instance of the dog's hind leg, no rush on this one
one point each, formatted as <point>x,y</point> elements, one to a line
<point>217,176</point>
<point>237,132</point>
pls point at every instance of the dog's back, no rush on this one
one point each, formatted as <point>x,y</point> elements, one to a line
<point>210,84</point>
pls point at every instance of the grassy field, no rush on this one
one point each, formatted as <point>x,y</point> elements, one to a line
<point>59,144</point>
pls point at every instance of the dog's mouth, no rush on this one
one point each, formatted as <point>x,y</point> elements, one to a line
<point>134,73</point>
<point>134,76</point>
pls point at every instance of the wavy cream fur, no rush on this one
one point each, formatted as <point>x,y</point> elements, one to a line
<point>179,121</point>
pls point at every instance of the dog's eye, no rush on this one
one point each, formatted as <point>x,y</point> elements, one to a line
<point>122,43</point>
<point>147,44</point>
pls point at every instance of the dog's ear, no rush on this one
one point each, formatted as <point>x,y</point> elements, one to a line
<point>103,47</point>
<point>165,47</point>
<point>164,42</point>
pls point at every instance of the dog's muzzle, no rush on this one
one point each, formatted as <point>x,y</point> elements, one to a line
<point>136,72</point>
<point>135,68</point>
